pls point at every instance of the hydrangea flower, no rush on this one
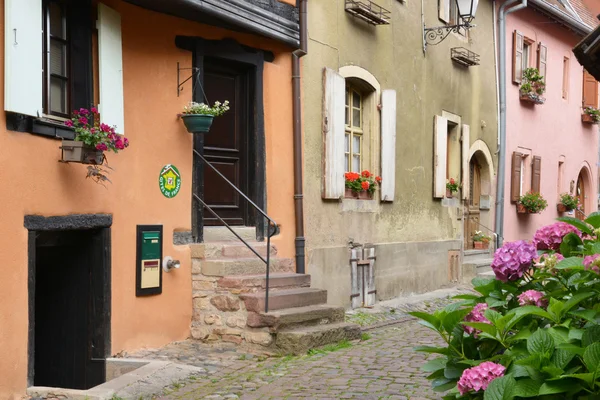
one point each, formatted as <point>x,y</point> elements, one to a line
<point>592,263</point>
<point>533,298</point>
<point>476,315</point>
<point>550,237</point>
<point>549,261</point>
<point>512,260</point>
<point>479,377</point>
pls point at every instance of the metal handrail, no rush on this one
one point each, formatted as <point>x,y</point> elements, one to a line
<point>273,227</point>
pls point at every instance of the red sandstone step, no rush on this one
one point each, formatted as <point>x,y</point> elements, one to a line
<point>229,249</point>
<point>300,340</point>
<point>280,319</point>
<point>276,280</point>
<point>289,298</point>
<point>242,266</point>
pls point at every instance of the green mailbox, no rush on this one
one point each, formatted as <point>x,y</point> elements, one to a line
<point>149,256</point>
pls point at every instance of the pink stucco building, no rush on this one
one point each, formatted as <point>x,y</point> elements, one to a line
<point>548,146</point>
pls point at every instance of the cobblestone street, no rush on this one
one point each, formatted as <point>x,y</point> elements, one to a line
<point>382,367</point>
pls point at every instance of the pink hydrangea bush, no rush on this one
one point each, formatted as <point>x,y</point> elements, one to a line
<point>476,315</point>
<point>550,237</point>
<point>479,377</point>
<point>532,298</point>
<point>592,263</point>
<point>512,260</point>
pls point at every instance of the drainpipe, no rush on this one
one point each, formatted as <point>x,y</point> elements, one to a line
<point>297,111</point>
<point>504,11</point>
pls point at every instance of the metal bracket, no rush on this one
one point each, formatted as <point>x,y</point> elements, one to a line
<point>437,34</point>
<point>195,71</point>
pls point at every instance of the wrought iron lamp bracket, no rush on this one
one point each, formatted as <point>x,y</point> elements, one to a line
<point>195,72</point>
<point>437,34</point>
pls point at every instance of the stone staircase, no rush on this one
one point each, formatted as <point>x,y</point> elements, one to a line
<point>228,282</point>
<point>477,263</point>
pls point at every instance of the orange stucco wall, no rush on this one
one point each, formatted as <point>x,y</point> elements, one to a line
<point>33,182</point>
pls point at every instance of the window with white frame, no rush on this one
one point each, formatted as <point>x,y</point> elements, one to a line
<point>353,139</point>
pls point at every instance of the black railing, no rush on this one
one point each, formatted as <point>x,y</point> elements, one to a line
<point>272,231</point>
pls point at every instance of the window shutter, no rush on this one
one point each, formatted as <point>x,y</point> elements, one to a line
<point>110,60</point>
<point>334,91</point>
<point>517,57</point>
<point>536,174</point>
<point>466,146</point>
<point>23,48</point>
<point>444,10</point>
<point>440,144</point>
<point>542,63</point>
<point>388,145</point>
<point>590,90</point>
<point>515,183</point>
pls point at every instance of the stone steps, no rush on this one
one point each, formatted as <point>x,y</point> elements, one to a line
<point>228,249</point>
<point>300,340</point>
<point>289,298</point>
<point>277,280</point>
<point>298,316</point>
<point>240,266</point>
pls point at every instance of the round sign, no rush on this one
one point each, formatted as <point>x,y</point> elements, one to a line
<point>169,181</point>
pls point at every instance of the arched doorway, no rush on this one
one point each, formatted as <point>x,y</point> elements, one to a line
<point>580,193</point>
<point>472,221</point>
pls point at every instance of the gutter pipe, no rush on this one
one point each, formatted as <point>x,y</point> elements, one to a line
<point>505,9</point>
<point>300,240</point>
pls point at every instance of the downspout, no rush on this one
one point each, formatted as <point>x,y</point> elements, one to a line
<point>504,11</point>
<point>297,111</point>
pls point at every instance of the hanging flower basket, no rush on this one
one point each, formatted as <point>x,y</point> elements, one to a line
<point>78,152</point>
<point>198,117</point>
<point>561,208</point>
<point>522,210</point>
<point>197,123</point>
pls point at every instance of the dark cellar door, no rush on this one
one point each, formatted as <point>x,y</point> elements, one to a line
<point>226,145</point>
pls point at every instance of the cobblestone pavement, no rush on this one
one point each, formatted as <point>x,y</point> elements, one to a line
<point>384,366</point>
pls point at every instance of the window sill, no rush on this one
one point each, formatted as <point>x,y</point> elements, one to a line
<point>359,206</point>
<point>39,126</point>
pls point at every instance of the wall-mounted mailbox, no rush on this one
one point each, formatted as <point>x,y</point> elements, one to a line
<point>149,259</point>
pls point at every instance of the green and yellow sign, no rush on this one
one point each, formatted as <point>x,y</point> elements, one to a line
<point>169,181</point>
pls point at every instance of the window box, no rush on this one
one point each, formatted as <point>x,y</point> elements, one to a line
<point>481,245</point>
<point>362,195</point>
<point>561,208</point>
<point>588,119</point>
<point>78,152</point>
<point>368,11</point>
<point>532,98</point>
<point>522,210</point>
<point>449,193</point>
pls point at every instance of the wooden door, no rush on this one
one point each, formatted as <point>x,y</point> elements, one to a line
<point>580,194</point>
<point>226,145</point>
<point>473,214</point>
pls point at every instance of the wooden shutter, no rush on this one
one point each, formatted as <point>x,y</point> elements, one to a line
<point>515,182</point>
<point>440,149</point>
<point>444,10</point>
<point>388,144</point>
<point>542,60</point>
<point>536,174</point>
<point>517,69</point>
<point>110,60</point>
<point>23,52</point>
<point>466,147</point>
<point>334,91</point>
<point>590,90</point>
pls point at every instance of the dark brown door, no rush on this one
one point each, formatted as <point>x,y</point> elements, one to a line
<point>473,212</point>
<point>226,146</point>
<point>580,194</point>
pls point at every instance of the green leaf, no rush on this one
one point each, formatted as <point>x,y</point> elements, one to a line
<point>451,320</point>
<point>432,321</point>
<point>435,364</point>
<point>559,334</point>
<point>429,349</point>
<point>541,343</point>
<point>575,300</point>
<point>557,386</point>
<point>482,326</point>
<point>588,378</point>
<point>582,226</point>
<point>552,370</point>
<point>522,335</point>
<point>570,262</point>
<point>555,308</point>
<point>576,334</point>
<point>466,297</point>
<point>571,348</point>
<point>591,335</point>
<point>591,358</point>
<point>594,219</point>
<point>527,388</point>
<point>445,386</point>
<point>500,389</point>
<point>527,310</point>
<point>454,371</point>
<point>492,315</point>
<point>562,358</point>
<point>588,315</point>
<point>570,244</point>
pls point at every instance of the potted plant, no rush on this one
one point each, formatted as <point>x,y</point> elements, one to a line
<point>361,186</point>
<point>532,87</point>
<point>567,203</point>
<point>531,203</point>
<point>92,139</point>
<point>590,115</point>
<point>481,241</point>
<point>451,188</point>
<point>198,117</point>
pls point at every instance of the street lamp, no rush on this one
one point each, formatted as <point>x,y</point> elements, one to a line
<point>437,34</point>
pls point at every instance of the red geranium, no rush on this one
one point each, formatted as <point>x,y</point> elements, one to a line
<point>365,185</point>
<point>366,174</point>
<point>378,179</point>
<point>351,176</point>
